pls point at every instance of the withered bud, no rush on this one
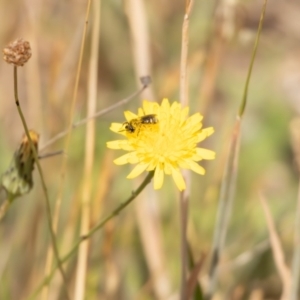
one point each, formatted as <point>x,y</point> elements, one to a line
<point>17,52</point>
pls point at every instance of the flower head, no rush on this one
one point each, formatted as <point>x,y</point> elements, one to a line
<point>17,52</point>
<point>164,139</point>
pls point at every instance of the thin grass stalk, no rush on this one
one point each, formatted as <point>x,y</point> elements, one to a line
<point>210,73</point>
<point>183,209</point>
<point>105,173</point>
<point>225,206</point>
<point>36,159</point>
<point>245,258</point>
<point>35,98</point>
<point>278,254</point>
<point>97,227</point>
<point>296,257</point>
<point>194,290</point>
<point>183,90</point>
<point>145,81</point>
<point>66,147</point>
<point>184,195</point>
<point>82,260</point>
<point>72,107</point>
<point>229,178</point>
<point>214,45</point>
<point>245,95</point>
<point>147,214</point>
<point>151,237</point>
<point>214,49</point>
<point>138,24</point>
<point>295,268</point>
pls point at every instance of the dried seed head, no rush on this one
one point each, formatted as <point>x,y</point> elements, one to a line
<point>17,180</point>
<point>17,52</point>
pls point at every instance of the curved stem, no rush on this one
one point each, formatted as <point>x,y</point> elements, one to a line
<point>145,82</point>
<point>114,213</point>
<point>35,155</point>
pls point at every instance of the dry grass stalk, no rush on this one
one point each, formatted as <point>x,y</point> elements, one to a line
<point>230,175</point>
<point>277,250</point>
<point>147,211</point>
<point>66,146</point>
<point>295,132</point>
<point>184,195</point>
<point>82,261</point>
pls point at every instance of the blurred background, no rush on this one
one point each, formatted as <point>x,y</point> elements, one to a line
<point>137,254</point>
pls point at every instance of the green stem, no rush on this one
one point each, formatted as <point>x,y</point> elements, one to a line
<point>244,100</point>
<point>54,244</point>
<point>114,213</point>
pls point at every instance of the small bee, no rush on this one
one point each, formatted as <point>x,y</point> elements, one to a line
<point>134,125</point>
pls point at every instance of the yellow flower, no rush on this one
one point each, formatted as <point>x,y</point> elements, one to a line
<point>165,143</point>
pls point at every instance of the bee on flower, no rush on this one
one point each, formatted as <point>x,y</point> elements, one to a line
<point>164,139</point>
<point>134,125</point>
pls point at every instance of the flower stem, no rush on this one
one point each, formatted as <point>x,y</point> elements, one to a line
<point>114,213</point>
<point>35,155</point>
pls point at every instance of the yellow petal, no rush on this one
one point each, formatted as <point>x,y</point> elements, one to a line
<point>196,157</point>
<point>158,177</point>
<point>196,168</point>
<point>138,170</point>
<point>175,108</point>
<point>140,112</point>
<point>124,145</point>
<point>155,108</point>
<point>205,132</point>
<point>133,158</point>
<point>147,107</point>
<point>194,119</point>
<point>152,165</point>
<point>178,178</point>
<point>165,105</point>
<point>113,145</point>
<point>119,144</point>
<point>150,107</point>
<point>129,115</point>
<point>184,164</point>
<point>129,158</point>
<point>122,160</point>
<point>168,168</point>
<point>184,114</point>
<point>116,127</point>
<point>205,153</point>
